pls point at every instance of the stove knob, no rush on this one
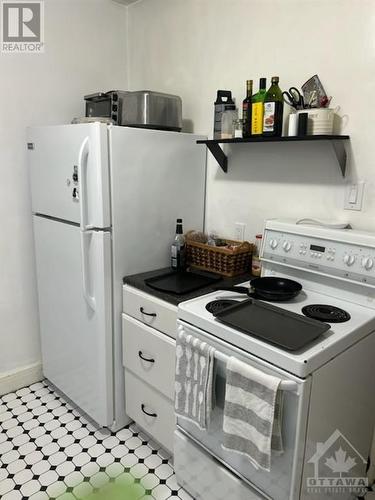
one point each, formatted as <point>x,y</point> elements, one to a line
<point>367,263</point>
<point>349,259</point>
<point>287,246</point>
<point>273,244</point>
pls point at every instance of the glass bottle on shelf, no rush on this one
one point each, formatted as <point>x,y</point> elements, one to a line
<point>238,125</point>
<point>257,106</point>
<point>246,109</point>
<point>273,110</point>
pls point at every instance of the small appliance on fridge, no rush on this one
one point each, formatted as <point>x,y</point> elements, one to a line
<point>105,200</point>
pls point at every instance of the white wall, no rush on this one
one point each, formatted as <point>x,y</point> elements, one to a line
<point>194,47</point>
<point>85,51</point>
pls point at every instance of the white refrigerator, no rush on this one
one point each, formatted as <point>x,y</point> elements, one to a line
<point>105,200</point>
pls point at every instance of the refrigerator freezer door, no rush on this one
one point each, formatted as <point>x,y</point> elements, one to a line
<point>75,304</point>
<point>69,173</point>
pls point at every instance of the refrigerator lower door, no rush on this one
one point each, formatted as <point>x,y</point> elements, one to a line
<point>75,304</point>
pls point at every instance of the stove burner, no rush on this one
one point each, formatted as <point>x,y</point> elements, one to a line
<point>219,305</point>
<point>327,313</point>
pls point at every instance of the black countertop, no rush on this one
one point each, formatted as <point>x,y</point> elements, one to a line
<point>138,281</point>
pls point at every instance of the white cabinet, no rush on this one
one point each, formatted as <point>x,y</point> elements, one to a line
<point>148,340</point>
<point>149,354</point>
<point>150,409</point>
<point>150,310</point>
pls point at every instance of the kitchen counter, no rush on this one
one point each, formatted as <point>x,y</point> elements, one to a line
<point>138,281</point>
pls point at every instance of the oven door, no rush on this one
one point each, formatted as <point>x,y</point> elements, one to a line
<point>284,480</point>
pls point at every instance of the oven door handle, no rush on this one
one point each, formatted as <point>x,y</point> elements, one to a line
<point>285,385</point>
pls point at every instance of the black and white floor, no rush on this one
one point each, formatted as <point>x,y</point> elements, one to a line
<point>48,451</point>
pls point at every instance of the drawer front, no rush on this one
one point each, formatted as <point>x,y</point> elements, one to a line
<point>149,354</point>
<point>150,310</point>
<point>152,411</point>
<point>217,482</point>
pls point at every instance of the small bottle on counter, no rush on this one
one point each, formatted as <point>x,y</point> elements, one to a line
<point>256,266</point>
<point>178,248</point>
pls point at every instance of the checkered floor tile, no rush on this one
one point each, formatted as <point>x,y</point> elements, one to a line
<point>48,450</point>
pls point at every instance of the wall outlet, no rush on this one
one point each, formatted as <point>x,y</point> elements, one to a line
<point>239,231</point>
<point>354,196</point>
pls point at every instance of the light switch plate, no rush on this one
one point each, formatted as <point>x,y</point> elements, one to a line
<point>354,195</point>
<point>239,231</point>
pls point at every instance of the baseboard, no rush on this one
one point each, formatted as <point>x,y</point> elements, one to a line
<point>21,377</point>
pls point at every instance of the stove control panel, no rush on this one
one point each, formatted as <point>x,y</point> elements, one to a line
<point>345,260</point>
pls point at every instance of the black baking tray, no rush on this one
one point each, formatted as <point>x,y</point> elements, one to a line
<point>273,324</point>
<point>181,282</point>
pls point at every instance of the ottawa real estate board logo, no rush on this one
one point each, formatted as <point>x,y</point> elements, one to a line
<point>338,468</point>
<point>22,26</point>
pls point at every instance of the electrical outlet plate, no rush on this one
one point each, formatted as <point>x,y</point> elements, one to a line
<point>239,231</point>
<point>354,195</point>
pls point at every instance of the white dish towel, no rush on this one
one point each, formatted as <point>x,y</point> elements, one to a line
<point>194,379</point>
<point>252,413</point>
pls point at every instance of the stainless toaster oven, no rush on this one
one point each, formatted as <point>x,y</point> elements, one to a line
<point>143,108</point>
<point>106,104</point>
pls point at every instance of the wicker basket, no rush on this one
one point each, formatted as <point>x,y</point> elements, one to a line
<point>220,260</point>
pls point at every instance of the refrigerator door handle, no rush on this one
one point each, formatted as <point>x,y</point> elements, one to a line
<point>82,176</point>
<point>85,236</point>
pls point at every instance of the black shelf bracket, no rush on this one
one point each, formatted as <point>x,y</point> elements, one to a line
<point>219,155</point>
<point>341,154</point>
<point>337,141</point>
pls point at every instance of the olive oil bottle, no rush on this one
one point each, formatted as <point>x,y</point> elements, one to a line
<point>273,110</point>
<point>246,110</point>
<point>257,108</point>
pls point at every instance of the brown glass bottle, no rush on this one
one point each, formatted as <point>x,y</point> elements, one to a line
<point>246,110</point>
<point>273,110</point>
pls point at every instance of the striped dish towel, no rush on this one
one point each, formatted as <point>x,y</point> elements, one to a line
<point>252,413</point>
<point>194,391</point>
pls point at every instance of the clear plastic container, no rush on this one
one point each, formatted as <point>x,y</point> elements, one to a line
<point>228,120</point>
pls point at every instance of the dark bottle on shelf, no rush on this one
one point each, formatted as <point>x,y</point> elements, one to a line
<point>273,110</point>
<point>178,249</point>
<point>246,110</point>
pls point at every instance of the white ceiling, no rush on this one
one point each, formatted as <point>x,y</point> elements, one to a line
<point>125,2</point>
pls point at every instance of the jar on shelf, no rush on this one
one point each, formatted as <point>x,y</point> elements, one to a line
<point>238,128</point>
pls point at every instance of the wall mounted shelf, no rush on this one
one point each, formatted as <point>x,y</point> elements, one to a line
<point>337,141</point>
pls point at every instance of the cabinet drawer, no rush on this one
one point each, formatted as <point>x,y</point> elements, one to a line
<point>150,310</point>
<point>152,411</point>
<point>149,354</point>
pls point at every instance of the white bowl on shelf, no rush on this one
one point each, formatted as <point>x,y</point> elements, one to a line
<point>320,120</point>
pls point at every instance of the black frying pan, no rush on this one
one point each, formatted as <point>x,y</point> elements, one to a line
<point>269,288</point>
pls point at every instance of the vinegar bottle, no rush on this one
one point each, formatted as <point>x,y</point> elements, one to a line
<point>273,110</point>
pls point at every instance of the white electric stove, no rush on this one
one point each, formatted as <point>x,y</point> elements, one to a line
<point>333,376</point>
